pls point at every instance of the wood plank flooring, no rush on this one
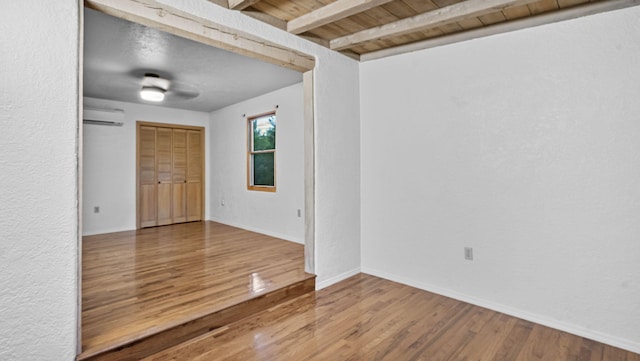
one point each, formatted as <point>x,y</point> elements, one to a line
<point>178,281</point>
<point>368,318</point>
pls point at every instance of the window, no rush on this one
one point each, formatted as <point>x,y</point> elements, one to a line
<point>261,154</point>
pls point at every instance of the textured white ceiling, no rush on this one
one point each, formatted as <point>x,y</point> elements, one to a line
<point>117,54</point>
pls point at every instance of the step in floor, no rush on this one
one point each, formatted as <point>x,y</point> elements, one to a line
<point>150,289</point>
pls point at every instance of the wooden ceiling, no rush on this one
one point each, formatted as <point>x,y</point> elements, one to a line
<point>375,28</point>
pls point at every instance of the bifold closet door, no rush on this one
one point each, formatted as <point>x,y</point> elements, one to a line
<point>164,171</point>
<point>195,175</point>
<point>147,176</point>
<point>170,174</point>
<point>179,178</point>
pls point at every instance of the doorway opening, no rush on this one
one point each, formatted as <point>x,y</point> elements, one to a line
<point>161,17</point>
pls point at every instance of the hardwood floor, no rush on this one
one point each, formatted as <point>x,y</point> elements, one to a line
<point>368,318</point>
<point>146,290</point>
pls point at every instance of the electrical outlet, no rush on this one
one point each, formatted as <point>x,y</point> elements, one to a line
<point>468,253</point>
<point>96,209</point>
<point>222,202</point>
<point>299,213</point>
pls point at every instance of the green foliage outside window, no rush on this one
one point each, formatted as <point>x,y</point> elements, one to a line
<point>263,143</point>
<point>263,166</point>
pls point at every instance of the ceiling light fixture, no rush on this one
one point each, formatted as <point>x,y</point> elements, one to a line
<point>152,93</point>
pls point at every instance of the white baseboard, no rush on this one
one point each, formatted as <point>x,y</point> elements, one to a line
<point>629,345</point>
<point>105,231</point>
<point>232,224</point>
<point>341,277</point>
<point>286,237</point>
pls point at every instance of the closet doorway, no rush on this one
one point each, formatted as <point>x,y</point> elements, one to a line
<point>170,174</point>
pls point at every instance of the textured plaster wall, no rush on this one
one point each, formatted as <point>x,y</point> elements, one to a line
<point>109,163</point>
<point>273,213</point>
<point>526,147</point>
<point>337,133</point>
<point>38,201</point>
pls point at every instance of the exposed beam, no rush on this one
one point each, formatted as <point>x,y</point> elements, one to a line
<point>330,13</point>
<point>542,19</point>
<point>353,55</point>
<point>163,17</point>
<point>445,15</point>
<point>241,4</point>
<point>309,174</point>
<point>317,40</point>
<point>266,18</point>
<point>223,3</point>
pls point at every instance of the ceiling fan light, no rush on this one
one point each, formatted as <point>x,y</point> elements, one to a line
<point>152,93</point>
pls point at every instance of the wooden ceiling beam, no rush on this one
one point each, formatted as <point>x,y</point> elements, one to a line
<point>223,3</point>
<point>317,40</point>
<point>241,4</point>
<point>269,19</point>
<point>330,13</point>
<point>432,19</point>
<point>523,23</point>
<point>163,17</point>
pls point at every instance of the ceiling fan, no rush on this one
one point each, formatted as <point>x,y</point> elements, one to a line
<point>155,88</point>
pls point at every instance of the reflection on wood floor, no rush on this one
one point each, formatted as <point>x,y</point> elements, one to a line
<point>152,288</point>
<point>368,318</point>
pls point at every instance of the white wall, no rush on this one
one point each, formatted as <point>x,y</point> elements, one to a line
<point>337,134</point>
<point>109,163</point>
<point>38,210</point>
<point>38,217</point>
<point>549,203</point>
<point>273,213</point>
<point>526,147</point>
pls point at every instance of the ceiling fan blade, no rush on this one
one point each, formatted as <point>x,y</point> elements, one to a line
<point>183,90</point>
<point>184,95</point>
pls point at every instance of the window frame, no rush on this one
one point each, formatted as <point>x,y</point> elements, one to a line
<point>251,153</point>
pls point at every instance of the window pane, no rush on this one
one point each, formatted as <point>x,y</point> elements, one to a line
<point>263,169</point>
<point>264,133</point>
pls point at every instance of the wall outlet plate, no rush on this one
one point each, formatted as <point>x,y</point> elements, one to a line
<point>468,253</point>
